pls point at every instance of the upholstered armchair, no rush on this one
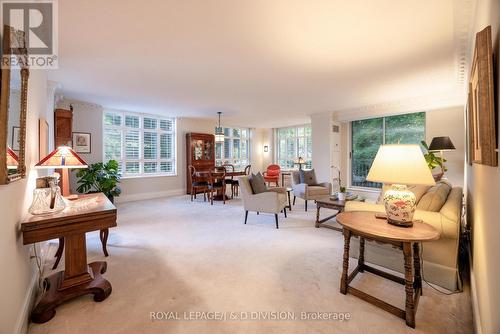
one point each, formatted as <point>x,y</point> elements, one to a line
<point>311,190</point>
<point>272,174</point>
<point>272,201</point>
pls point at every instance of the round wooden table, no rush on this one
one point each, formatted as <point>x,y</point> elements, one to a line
<point>368,227</point>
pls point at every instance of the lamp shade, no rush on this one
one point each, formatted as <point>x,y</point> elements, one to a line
<point>400,164</point>
<point>441,144</point>
<point>12,159</point>
<point>62,157</point>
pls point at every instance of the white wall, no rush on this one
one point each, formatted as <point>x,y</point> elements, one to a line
<point>322,147</point>
<point>483,193</point>
<point>18,270</point>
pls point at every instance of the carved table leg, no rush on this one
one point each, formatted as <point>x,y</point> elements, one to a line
<point>345,264</point>
<point>361,258</point>
<point>410,304</point>
<point>416,264</point>
<point>103,235</point>
<point>317,217</point>
<point>59,253</point>
<point>55,294</point>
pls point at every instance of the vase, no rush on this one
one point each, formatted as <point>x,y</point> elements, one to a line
<point>47,201</point>
<point>400,204</point>
<point>341,196</point>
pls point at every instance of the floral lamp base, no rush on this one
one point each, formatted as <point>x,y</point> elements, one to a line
<point>400,204</point>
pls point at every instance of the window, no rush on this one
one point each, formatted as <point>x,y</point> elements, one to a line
<point>235,149</point>
<point>143,145</point>
<point>368,134</point>
<point>292,143</point>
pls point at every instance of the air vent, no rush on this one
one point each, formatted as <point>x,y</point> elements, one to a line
<point>335,129</point>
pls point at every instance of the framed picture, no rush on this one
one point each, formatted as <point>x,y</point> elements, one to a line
<point>82,142</point>
<point>43,138</point>
<point>16,133</point>
<point>482,125</point>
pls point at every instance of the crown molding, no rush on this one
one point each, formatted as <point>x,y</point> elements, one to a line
<point>463,20</point>
<point>413,104</point>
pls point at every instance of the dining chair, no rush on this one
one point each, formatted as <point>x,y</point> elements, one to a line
<point>197,182</point>
<point>217,183</point>
<point>230,180</point>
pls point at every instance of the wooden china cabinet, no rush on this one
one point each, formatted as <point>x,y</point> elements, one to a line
<point>200,152</point>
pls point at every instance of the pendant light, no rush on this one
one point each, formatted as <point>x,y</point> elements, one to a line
<point>219,131</point>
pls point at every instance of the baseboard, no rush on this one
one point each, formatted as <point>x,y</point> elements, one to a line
<point>149,195</point>
<point>29,299</point>
<point>476,316</point>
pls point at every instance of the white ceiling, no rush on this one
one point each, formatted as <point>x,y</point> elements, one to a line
<point>262,62</point>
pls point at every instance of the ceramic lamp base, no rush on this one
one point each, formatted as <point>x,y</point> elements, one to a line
<point>400,204</point>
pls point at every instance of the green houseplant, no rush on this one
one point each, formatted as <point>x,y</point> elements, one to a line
<point>100,177</point>
<point>434,161</point>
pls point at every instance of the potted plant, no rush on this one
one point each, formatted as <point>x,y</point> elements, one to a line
<point>100,177</point>
<point>434,161</point>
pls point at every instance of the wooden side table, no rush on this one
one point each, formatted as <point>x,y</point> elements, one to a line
<point>332,204</point>
<point>367,227</point>
<point>89,213</point>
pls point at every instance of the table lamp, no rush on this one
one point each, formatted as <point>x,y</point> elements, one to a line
<point>63,158</point>
<point>300,161</point>
<point>441,144</point>
<point>12,159</point>
<point>400,165</point>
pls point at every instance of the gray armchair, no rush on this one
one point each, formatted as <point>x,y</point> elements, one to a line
<point>309,192</point>
<point>272,201</point>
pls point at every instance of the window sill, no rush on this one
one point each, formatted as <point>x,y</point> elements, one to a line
<point>365,189</point>
<point>147,176</point>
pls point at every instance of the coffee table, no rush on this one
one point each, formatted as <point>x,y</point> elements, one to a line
<point>364,225</point>
<point>328,203</point>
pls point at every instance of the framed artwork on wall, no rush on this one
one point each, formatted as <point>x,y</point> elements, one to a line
<point>82,142</point>
<point>482,126</point>
<point>16,133</point>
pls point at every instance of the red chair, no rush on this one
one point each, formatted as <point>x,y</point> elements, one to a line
<point>272,174</point>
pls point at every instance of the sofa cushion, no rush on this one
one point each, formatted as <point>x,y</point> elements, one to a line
<point>434,199</point>
<point>308,177</point>
<point>257,183</point>
<point>418,191</point>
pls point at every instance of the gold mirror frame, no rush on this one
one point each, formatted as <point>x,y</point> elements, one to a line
<point>14,45</point>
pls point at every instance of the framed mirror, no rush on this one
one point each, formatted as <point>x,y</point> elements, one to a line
<point>13,103</point>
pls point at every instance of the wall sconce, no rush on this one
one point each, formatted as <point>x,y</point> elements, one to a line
<point>266,148</point>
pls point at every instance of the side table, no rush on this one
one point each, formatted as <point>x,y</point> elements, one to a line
<point>367,227</point>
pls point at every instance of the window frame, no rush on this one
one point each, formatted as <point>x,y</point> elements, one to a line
<point>231,160</point>
<point>123,130</point>
<point>307,157</point>
<point>349,152</point>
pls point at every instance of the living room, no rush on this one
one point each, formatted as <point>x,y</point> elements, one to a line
<point>250,167</point>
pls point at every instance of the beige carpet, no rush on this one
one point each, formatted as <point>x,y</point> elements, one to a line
<point>171,255</point>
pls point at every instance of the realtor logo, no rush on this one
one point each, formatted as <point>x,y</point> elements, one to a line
<point>38,23</point>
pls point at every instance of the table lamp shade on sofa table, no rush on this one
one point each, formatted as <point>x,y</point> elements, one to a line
<point>400,165</point>
<point>62,158</point>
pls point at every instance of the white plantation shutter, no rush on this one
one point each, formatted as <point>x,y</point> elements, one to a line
<point>235,148</point>
<point>291,143</point>
<point>142,145</point>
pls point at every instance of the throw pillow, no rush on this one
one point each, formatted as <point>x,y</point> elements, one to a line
<point>257,183</point>
<point>434,199</point>
<point>308,177</point>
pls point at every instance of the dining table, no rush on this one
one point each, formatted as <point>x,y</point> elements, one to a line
<point>206,173</point>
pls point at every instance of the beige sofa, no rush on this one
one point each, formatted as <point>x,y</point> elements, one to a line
<point>440,257</point>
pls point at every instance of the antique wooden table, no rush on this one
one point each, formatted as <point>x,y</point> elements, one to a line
<point>367,227</point>
<point>89,213</point>
<point>206,173</point>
